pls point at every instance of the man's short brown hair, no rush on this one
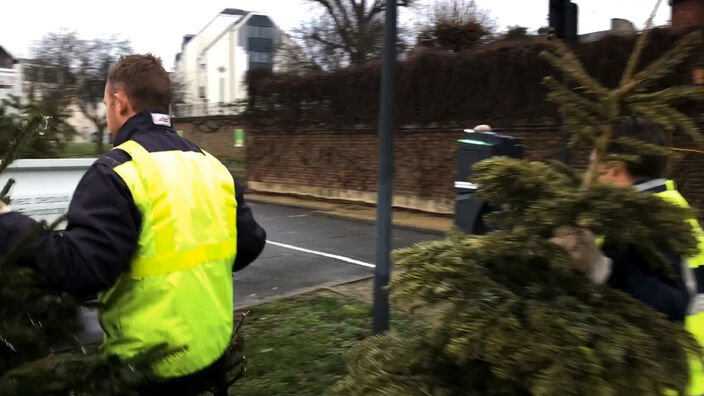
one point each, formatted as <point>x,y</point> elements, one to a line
<point>144,81</point>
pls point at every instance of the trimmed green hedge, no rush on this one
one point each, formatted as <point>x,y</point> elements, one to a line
<point>499,82</point>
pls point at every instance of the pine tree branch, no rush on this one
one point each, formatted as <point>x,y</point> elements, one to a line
<point>669,94</point>
<point>670,119</point>
<point>567,62</point>
<point>686,150</point>
<point>648,111</point>
<point>6,190</point>
<point>664,65</point>
<point>561,94</point>
<point>640,45</point>
<point>22,139</point>
<point>600,151</point>
<point>644,148</point>
<point>576,115</point>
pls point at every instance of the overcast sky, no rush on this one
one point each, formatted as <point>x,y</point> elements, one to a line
<point>157,26</point>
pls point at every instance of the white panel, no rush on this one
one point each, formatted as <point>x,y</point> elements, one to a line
<point>44,188</point>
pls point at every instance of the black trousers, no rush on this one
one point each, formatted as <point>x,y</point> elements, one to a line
<point>208,379</point>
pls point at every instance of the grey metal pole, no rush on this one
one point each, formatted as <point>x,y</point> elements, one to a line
<point>564,143</point>
<point>387,125</point>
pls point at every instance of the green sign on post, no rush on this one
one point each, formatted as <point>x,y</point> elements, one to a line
<point>239,137</point>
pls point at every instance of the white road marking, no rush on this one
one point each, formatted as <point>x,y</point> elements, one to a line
<point>328,255</point>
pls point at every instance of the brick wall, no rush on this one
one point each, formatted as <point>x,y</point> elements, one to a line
<point>213,134</point>
<point>687,13</point>
<point>425,160</point>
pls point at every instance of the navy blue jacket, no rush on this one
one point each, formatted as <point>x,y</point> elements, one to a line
<point>631,274</point>
<point>104,223</point>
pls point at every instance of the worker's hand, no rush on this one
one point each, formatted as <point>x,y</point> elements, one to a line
<point>580,243</point>
<point>4,208</point>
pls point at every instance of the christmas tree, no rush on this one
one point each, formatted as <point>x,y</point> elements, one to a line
<point>516,318</point>
<point>39,352</point>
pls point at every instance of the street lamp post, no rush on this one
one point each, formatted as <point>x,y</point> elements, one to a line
<point>382,272</point>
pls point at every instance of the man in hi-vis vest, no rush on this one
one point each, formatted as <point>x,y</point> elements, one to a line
<point>681,296</point>
<point>156,227</point>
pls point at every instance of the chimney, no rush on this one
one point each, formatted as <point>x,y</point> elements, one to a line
<point>186,39</point>
<point>619,25</point>
<point>687,14</point>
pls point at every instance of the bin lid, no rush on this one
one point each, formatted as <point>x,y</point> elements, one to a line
<point>472,141</point>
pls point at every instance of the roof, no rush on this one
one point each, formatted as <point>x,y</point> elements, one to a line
<point>224,32</point>
<point>186,39</point>
<point>3,50</point>
<point>234,11</point>
<point>226,11</point>
<point>33,62</point>
<point>248,16</point>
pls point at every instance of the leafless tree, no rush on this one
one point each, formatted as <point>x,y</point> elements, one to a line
<point>83,66</point>
<point>454,25</point>
<point>347,32</point>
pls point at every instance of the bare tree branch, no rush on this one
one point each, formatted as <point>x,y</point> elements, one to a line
<point>348,32</point>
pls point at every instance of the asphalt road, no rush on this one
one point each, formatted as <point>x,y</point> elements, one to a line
<point>306,250</point>
<point>281,271</point>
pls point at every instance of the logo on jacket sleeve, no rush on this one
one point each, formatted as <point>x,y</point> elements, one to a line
<point>161,119</point>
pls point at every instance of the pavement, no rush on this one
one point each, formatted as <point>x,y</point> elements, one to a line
<point>313,245</point>
<point>402,218</point>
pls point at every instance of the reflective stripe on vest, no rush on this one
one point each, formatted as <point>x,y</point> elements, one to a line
<point>694,322</point>
<point>179,288</point>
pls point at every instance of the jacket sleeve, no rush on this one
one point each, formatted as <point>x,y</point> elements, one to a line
<point>668,295</point>
<point>251,237</point>
<point>98,243</point>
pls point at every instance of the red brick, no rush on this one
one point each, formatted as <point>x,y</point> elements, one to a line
<point>425,160</point>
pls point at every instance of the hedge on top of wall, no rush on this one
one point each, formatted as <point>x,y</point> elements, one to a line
<point>498,83</point>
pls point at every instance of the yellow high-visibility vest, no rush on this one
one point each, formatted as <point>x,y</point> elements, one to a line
<point>178,290</point>
<point>694,321</point>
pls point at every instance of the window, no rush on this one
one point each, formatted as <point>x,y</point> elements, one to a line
<point>261,32</point>
<point>30,73</point>
<point>51,75</point>
<point>201,92</point>
<point>260,57</point>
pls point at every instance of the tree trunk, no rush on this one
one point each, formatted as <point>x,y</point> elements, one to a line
<point>99,149</point>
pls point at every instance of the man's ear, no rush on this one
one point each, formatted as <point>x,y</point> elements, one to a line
<point>619,168</point>
<point>121,102</point>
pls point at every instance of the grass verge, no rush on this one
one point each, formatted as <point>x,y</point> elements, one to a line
<point>79,150</point>
<point>297,346</point>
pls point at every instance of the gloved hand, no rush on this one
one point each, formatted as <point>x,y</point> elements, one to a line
<point>580,243</point>
<point>4,208</point>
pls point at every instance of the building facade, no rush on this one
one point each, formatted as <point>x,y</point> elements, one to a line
<point>211,69</point>
<point>10,76</point>
<point>30,80</point>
